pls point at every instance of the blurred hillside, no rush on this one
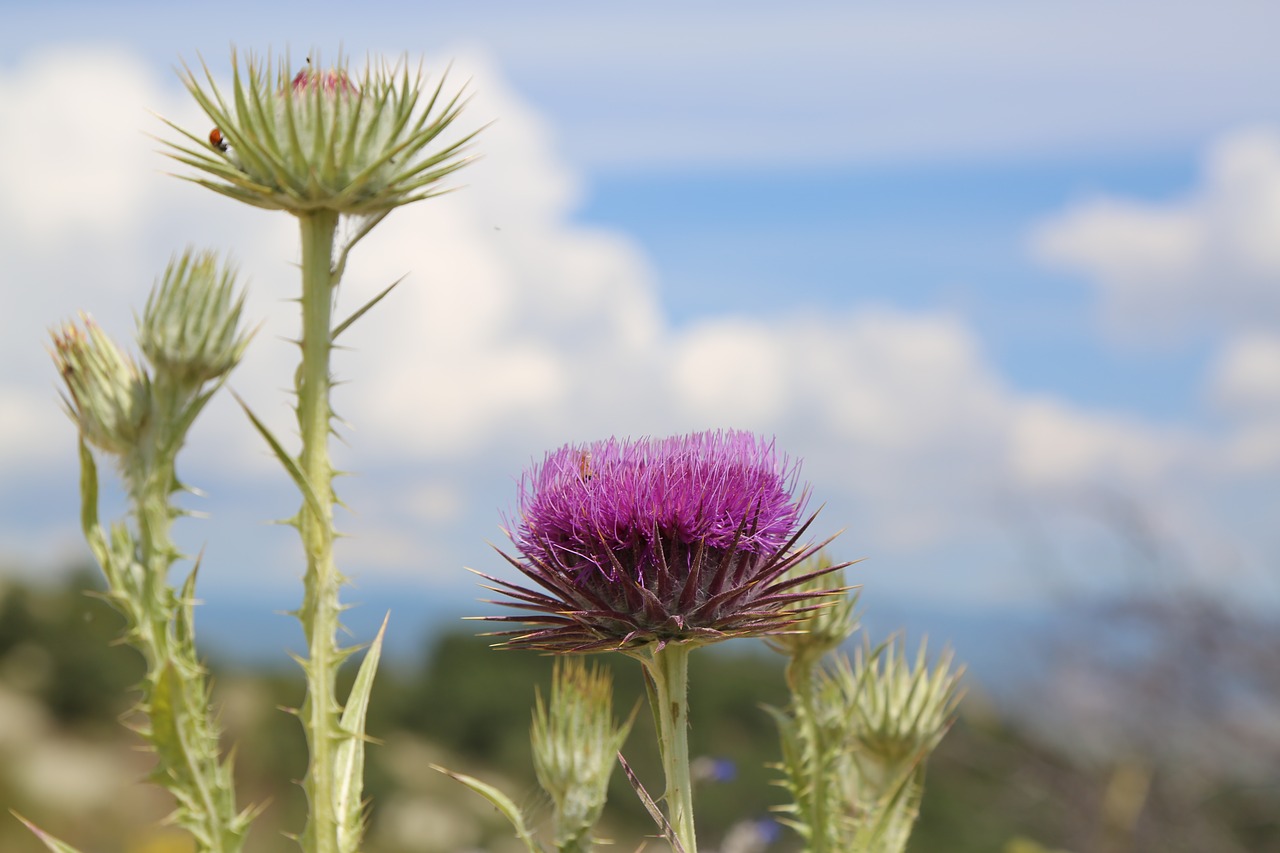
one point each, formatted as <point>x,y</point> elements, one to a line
<point>1158,733</point>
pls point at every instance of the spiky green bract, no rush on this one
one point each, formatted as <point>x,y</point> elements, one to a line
<point>575,745</point>
<point>683,539</point>
<point>190,329</point>
<point>173,709</point>
<point>321,139</point>
<point>854,756</point>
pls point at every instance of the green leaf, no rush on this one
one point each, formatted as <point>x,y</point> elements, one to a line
<point>89,507</point>
<point>349,764</point>
<point>342,327</point>
<point>500,801</point>
<point>49,841</point>
<point>290,465</point>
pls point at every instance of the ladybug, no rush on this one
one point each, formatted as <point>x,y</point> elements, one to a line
<point>216,140</point>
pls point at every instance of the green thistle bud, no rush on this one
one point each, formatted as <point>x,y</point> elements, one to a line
<point>827,624</point>
<point>575,744</point>
<point>109,397</point>
<point>321,140</point>
<point>900,711</point>
<point>190,329</point>
<point>855,757</point>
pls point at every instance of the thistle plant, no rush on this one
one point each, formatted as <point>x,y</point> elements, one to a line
<point>649,548</point>
<point>652,548</point>
<point>191,337</point>
<point>322,145</point>
<point>857,735</point>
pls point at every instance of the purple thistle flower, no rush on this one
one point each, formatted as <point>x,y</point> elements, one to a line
<point>631,543</point>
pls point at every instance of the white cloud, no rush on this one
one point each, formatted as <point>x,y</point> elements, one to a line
<point>730,371</point>
<point>1204,265</point>
<point>1246,377</point>
<point>1244,383</point>
<point>74,160</point>
<point>1204,262</point>
<point>1054,445</point>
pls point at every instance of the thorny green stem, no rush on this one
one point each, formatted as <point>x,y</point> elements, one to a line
<point>320,606</point>
<point>181,731</point>
<point>813,804</point>
<point>667,669</point>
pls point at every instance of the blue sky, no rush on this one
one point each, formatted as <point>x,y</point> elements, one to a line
<point>994,269</point>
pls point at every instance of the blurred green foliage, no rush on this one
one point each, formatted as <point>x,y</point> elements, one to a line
<point>992,786</point>
<point>59,644</point>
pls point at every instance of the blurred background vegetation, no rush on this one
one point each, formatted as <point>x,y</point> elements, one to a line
<point>1151,726</point>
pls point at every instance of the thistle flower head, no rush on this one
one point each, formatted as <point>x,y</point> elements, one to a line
<point>108,396</point>
<point>190,329</point>
<point>320,139</point>
<point>633,543</point>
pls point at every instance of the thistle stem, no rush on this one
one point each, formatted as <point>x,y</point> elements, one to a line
<point>175,691</point>
<point>812,793</point>
<point>320,606</point>
<point>667,669</point>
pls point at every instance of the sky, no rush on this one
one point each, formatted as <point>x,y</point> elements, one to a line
<point>1006,276</point>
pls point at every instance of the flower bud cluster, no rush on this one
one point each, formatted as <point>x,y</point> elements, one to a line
<point>190,335</point>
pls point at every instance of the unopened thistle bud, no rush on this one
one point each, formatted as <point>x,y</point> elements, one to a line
<point>575,744</point>
<point>108,396</point>
<point>320,139</point>
<point>900,711</point>
<point>829,623</point>
<point>190,329</point>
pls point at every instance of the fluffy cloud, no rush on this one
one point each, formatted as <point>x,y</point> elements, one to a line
<point>1246,377</point>
<point>1205,262</point>
<point>1203,265</point>
<point>1244,384</point>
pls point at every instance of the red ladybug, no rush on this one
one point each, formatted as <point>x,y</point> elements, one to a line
<point>216,140</point>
